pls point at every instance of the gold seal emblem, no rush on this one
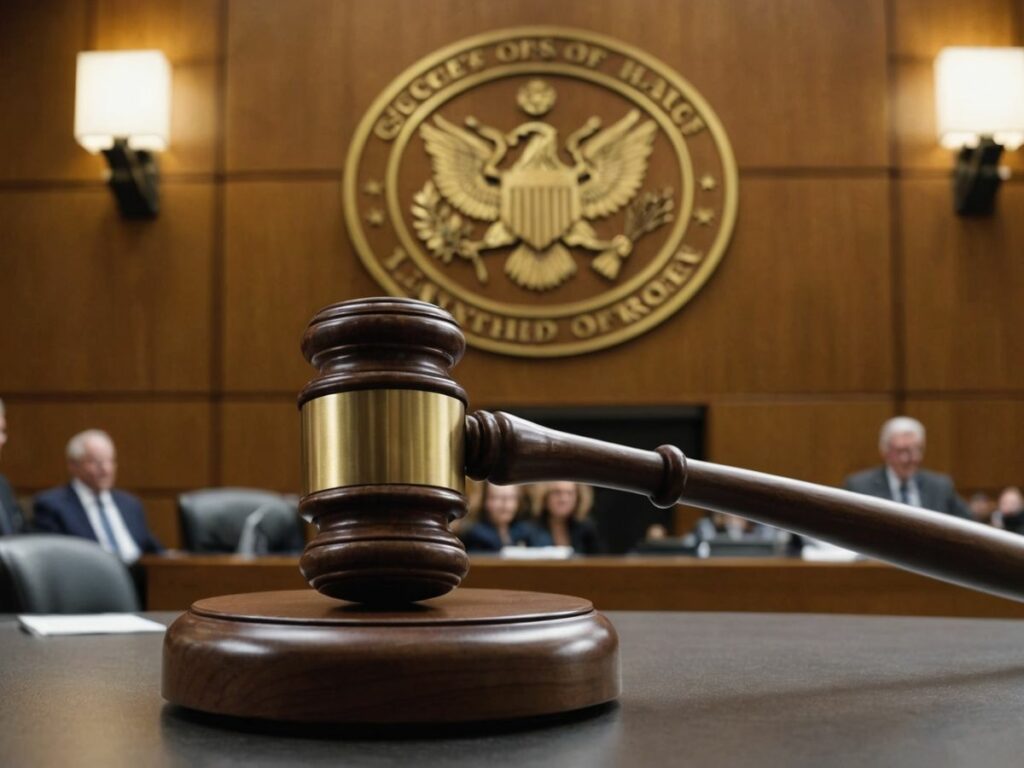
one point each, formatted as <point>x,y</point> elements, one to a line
<point>555,190</point>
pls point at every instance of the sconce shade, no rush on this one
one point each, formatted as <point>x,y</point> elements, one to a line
<point>980,92</point>
<point>123,94</point>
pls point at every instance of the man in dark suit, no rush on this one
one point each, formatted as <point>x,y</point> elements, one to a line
<point>901,478</point>
<point>11,520</point>
<point>90,507</point>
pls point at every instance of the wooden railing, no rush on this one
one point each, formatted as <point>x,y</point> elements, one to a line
<point>629,583</point>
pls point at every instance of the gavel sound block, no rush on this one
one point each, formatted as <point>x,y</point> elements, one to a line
<point>386,637</point>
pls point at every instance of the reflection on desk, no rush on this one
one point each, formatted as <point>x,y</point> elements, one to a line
<point>628,583</point>
<point>700,689</point>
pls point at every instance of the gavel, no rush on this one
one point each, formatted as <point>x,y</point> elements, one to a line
<point>387,444</point>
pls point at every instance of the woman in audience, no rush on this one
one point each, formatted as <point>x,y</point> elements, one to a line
<point>719,525</point>
<point>982,508</point>
<point>502,522</point>
<point>1009,512</point>
<point>564,511</point>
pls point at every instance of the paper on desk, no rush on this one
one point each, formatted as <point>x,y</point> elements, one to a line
<point>823,552</point>
<point>88,624</point>
<point>536,553</point>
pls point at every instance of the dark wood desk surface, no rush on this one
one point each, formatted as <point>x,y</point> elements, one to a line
<point>700,689</point>
<point>624,583</point>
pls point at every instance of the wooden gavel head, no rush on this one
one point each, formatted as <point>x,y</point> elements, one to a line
<point>383,427</point>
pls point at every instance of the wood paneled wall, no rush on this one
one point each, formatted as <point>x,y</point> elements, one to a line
<point>850,291</point>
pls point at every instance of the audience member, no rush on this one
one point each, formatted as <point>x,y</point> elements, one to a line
<point>901,478</point>
<point>502,521</point>
<point>90,507</point>
<point>719,525</point>
<point>11,520</point>
<point>656,532</point>
<point>474,492</point>
<point>1009,512</point>
<point>982,508</point>
<point>563,511</point>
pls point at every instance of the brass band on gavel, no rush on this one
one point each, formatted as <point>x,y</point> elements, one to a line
<point>386,436</point>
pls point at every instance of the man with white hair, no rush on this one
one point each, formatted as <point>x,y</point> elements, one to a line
<point>90,507</point>
<point>11,520</point>
<point>901,478</point>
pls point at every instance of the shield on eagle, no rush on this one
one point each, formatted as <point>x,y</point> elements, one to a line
<point>540,204</point>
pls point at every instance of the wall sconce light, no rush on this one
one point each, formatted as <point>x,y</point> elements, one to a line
<point>123,109</point>
<point>979,97</point>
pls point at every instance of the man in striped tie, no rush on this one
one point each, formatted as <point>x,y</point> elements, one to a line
<point>901,478</point>
<point>89,506</point>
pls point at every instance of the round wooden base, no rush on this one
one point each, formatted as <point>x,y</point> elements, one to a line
<point>473,654</point>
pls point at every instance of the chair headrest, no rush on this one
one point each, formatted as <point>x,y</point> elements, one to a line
<point>50,573</point>
<point>213,519</point>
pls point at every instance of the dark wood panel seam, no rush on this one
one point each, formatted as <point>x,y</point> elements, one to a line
<point>170,397</point>
<point>910,58</point>
<point>217,263</point>
<point>111,396</point>
<point>683,399</point>
<point>801,398</point>
<point>916,58</point>
<point>99,184</point>
<point>201,177</point>
<point>922,172</point>
<point>196,61</point>
<point>796,171</point>
<point>897,284</point>
<point>286,174</point>
<point>804,171</point>
<point>965,394</point>
<point>91,15</point>
<point>943,174</point>
<point>48,185</point>
<point>716,400</point>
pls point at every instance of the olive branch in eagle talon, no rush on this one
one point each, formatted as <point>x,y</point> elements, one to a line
<point>645,214</point>
<point>443,231</point>
<point>539,204</point>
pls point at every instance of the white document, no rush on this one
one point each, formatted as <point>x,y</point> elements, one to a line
<point>536,553</point>
<point>45,625</point>
<point>823,552</point>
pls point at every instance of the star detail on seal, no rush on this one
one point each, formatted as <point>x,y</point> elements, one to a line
<point>704,216</point>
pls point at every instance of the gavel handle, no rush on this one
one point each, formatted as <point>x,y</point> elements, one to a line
<point>505,449</point>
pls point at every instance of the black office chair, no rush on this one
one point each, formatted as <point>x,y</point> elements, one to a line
<point>244,520</point>
<point>49,573</point>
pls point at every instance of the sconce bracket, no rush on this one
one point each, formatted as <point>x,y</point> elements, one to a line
<point>134,180</point>
<point>976,178</point>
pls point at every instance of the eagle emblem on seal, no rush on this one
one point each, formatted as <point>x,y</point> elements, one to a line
<point>539,204</point>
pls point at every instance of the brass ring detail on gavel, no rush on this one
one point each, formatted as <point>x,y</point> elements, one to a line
<point>383,437</point>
